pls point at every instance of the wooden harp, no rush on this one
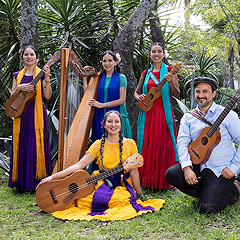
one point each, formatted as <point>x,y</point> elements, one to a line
<point>74,130</point>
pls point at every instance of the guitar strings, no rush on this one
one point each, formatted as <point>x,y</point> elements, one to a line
<point>18,101</point>
<point>91,181</point>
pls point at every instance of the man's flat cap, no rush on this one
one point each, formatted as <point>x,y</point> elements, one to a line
<point>207,80</point>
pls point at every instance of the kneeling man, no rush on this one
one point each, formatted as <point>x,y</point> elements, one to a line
<point>213,182</point>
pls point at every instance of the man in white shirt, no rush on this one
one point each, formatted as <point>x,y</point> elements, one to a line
<point>213,182</point>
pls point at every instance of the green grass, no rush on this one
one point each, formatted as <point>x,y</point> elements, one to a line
<point>178,219</point>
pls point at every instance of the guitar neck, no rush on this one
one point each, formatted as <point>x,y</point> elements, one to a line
<point>160,85</point>
<point>105,174</point>
<point>222,116</point>
<point>37,78</point>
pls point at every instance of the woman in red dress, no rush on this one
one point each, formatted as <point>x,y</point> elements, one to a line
<point>156,131</point>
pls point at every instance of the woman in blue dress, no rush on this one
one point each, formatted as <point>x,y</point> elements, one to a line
<point>111,96</point>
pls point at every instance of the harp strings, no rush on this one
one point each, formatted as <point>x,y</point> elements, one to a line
<point>74,95</point>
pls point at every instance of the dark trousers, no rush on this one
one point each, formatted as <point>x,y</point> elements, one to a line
<point>214,193</point>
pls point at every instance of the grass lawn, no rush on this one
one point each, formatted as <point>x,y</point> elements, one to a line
<point>178,219</point>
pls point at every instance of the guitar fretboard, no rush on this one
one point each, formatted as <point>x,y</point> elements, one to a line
<point>105,174</point>
<point>37,78</point>
<point>223,114</point>
<point>160,85</point>
<point>173,70</point>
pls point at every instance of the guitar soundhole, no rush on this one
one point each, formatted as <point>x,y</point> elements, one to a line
<point>73,188</point>
<point>151,96</point>
<point>204,140</point>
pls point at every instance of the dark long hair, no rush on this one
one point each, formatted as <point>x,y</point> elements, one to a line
<point>117,67</point>
<point>149,58</point>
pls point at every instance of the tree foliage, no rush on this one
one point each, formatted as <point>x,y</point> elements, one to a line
<point>224,17</point>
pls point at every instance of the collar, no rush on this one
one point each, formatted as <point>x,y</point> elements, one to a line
<point>212,109</point>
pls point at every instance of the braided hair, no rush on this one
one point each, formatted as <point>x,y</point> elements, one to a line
<point>105,134</point>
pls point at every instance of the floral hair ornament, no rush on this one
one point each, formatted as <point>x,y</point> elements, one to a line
<point>166,55</point>
<point>36,61</point>
<point>102,124</point>
<point>118,57</point>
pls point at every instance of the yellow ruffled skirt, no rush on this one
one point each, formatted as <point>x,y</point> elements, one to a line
<point>119,207</point>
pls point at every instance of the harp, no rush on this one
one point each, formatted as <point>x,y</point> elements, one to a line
<point>75,114</point>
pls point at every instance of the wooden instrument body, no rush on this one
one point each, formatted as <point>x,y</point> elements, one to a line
<point>23,99</point>
<point>58,194</point>
<point>201,148</point>
<point>148,102</point>
<point>17,105</point>
<point>67,188</point>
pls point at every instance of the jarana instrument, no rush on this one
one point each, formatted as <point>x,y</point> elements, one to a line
<point>58,194</point>
<point>16,105</point>
<point>155,92</point>
<point>201,148</point>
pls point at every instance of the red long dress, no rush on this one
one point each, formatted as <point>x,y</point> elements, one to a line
<point>158,151</point>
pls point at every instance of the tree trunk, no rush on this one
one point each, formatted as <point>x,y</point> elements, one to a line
<point>155,27</point>
<point>124,44</point>
<point>29,23</point>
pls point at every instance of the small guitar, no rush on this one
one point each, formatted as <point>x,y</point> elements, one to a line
<point>201,148</point>
<point>155,92</point>
<point>58,194</point>
<point>16,105</point>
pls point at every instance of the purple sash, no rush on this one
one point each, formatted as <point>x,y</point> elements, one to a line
<point>103,195</point>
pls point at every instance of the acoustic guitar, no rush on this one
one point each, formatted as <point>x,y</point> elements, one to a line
<point>201,148</point>
<point>16,105</point>
<point>58,194</point>
<point>155,92</point>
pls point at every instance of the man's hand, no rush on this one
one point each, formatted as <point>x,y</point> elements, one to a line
<point>227,173</point>
<point>190,176</point>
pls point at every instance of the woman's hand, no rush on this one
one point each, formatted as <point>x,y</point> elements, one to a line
<point>169,77</point>
<point>47,90</point>
<point>141,97</point>
<point>25,87</point>
<point>172,80</point>
<point>95,103</point>
<point>46,70</point>
<point>45,180</point>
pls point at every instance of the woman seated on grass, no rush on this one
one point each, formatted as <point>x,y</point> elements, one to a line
<point>114,199</point>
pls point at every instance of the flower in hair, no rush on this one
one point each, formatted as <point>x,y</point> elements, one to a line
<point>118,57</point>
<point>102,124</point>
<point>166,54</point>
